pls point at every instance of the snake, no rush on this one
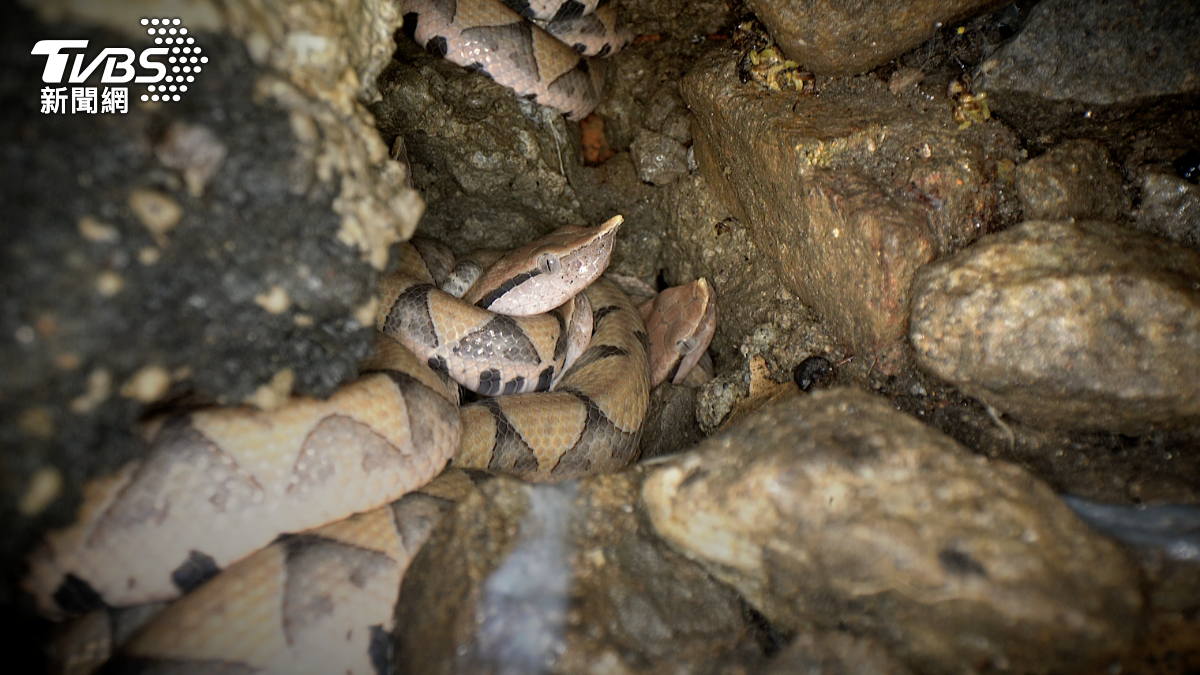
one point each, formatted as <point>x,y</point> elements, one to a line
<point>543,50</point>
<point>289,530</point>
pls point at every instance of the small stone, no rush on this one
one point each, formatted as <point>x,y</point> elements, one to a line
<point>275,300</point>
<point>149,255</point>
<point>1075,179</point>
<point>45,486</point>
<point>99,387</point>
<point>37,422</point>
<point>194,150</point>
<point>659,159</point>
<point>365,313</point>
<point>275,393</point>
<point>93,230</point>
<point>810,371</point>
<point>109,283</point>
<point>147,385</point>
<point>158,212</point>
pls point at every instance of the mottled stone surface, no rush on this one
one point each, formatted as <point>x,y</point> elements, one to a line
<point>1075,179</point>
<point>846,38</point>
<point>845,194</point>
<point>138,266</point>
<point>495,171</point>
<point>1075,325</point>
<point>1169,206</point>
<point>835,510</point>
<point>562,579</point>
<point>1105,69</point>
<point>659,159</point>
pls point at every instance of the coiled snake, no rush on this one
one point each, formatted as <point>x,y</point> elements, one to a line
<point>221,484</point>
<point>221,487</point>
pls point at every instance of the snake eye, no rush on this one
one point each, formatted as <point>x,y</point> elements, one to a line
<point>547,263</point>
<point>686,345</point>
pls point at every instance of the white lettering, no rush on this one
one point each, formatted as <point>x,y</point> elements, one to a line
<point>126,66</point>
<point>56,63</point>
<point>152,64</point>
<point>77,77</point>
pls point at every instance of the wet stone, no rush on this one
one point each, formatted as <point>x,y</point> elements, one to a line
<point>558,579</point>
<point>1075,179</point>
<point>845,194</point>
<point>832,38</point>
<point>1067,325</point>
<point>834,511</point>
<point>659,159</point>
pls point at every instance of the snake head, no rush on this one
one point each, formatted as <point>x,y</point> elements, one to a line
<point>546,272</point>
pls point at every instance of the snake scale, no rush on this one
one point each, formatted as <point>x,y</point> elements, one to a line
<point>208,511</point>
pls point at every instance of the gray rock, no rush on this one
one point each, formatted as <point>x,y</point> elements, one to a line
<point>659,159</point>
<point>496,171</point>
<point>670,424</point>
<point>1071,325</point>
<point>1170,207</point>
<point>838,38</point>
<point>561,578</point>
<point>1104,69</point>
<point>1075,179</point>
<point>844,194</point>
<point>835,511</point>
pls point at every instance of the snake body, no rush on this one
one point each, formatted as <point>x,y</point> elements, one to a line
<point>220,485</point>
<point>549,65</point>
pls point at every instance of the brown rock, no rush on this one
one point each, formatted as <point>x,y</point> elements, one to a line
<point>834,510</point>
<point>834,653</point>
<point>846,193</point>
<point>1075,179</point>
<point>833,37</point>
<point>1069,325</point>
<point>560,578</point>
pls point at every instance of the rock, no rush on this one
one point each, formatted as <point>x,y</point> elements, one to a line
<point>496,171</point>
<point>1169,207</point>
<point>845,194</point>
<point>1083,325</point>
<point>834,511</point>
<point>104,289</point>
<point>560,579</point>
<point>659,159</point>
<point>834,653</point>
<point>1075,179</point>
<point>670,425</point>
<point>1103,70</point>
<point>833,38</point>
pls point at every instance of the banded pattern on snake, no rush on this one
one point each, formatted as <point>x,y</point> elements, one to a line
<point>547,61</point>
<point>223,483</point>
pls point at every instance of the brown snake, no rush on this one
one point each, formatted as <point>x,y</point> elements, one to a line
<point>220,484</point>
<point>546,62</point>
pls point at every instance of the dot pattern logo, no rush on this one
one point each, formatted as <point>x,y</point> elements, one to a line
<point>184,63</point>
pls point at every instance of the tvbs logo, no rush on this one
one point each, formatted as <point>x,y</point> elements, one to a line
<point>166,69</point>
